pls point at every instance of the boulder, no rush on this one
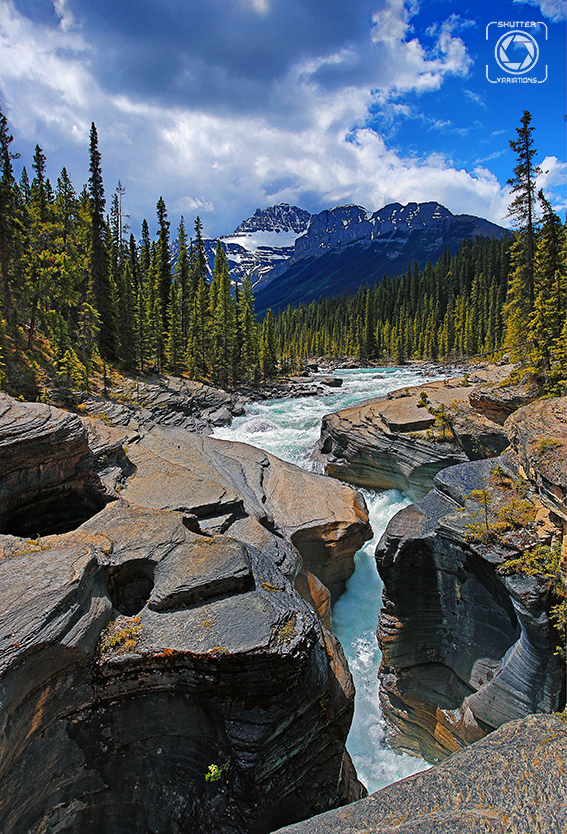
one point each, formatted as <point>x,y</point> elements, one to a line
<point>159,671</point>
<point>508,783</point>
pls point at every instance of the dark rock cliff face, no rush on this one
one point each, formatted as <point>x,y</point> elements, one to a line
<point>466,646</point>
<point>158,671</point>
<point>511,782</point>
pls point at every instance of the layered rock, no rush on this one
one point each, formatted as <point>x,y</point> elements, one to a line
<point>538,435</point>
<point>398,442</point>
<point>45,470</point>
<point>513,781</point>
<point>159,671</point>
<point>168,400</point>
<point>466,646</point>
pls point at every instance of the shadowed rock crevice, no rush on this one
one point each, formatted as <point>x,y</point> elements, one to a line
<point>130,585</point>
<point>51,512</point>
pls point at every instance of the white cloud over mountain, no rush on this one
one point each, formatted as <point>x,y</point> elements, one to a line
<point>220,135</point>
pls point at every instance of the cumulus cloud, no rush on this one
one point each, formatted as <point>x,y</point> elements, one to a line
<point>554,10</point>
<point>211,140</point>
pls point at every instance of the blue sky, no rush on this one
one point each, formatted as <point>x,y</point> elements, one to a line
<point>226,106</point>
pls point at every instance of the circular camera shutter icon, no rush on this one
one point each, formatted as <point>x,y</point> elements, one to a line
<point>516,52</point>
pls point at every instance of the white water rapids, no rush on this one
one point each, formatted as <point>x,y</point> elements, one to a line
<point>290,428</point>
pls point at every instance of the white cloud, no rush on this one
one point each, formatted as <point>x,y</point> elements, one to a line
<point>45,78</point>
<point>410,66</point>
<point>313,146</point>
<point>552,180</point>
<point>65,15</point>
<point>553,9</point>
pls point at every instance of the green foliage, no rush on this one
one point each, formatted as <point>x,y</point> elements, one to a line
<point>120,636</point>
<point>215,772</point>
<point>449,309</point>
<point>545,561</point>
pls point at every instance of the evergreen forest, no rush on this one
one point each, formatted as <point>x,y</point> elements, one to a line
<point>81,294</point>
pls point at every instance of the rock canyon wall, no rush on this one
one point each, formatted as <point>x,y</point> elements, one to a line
<point>159,670</point>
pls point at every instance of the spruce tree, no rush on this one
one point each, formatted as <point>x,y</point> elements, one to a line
<point>99,267</point>
<point>268,358</point>
<point>163,261</point>
<point>8,217</point>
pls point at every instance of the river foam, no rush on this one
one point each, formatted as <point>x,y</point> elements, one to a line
<point>290,428</point>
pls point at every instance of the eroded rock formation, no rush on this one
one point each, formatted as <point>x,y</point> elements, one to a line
<point>511,782</point>
<point>397,443</point>
<point>159,671</point>
<point>468,647</point>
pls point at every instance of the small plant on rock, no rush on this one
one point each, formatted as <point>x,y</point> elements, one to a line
<point>214,772</point>
<point>120,636</point>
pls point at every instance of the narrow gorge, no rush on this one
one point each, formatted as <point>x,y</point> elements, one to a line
<point>168,659</point>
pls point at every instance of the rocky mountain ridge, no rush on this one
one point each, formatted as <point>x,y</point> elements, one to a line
<point>291,251</point>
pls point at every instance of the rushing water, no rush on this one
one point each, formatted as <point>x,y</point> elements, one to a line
<point>290,428</point>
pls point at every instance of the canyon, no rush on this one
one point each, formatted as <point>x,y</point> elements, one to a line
<point>168,662</point>
<point>160,671</point>
<point>468,645</point>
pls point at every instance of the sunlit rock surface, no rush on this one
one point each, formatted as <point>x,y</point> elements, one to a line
<point>396,442</point>
<point>513,781</point>
<point>159,672</point>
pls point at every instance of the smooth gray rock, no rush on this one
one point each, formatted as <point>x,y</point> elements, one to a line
<point>512,782</point>
<point>155,673</point>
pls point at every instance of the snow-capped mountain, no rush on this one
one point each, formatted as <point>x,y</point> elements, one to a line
<point>346,247</point>
<point>293,256</point>
<point>264,240</point>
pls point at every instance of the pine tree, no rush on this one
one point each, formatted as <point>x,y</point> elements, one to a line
<point>223,320</point>
<point>199,332</point>
<point>268,358</point>
<point>8,218</point>
<point>174,342</point>
<point>182,277</point>
<point>521,209</point>
<point>163,261</point>
<point>99,267</point>
<point>250,346</point>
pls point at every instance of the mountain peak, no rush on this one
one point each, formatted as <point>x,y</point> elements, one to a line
<point>279,218</point>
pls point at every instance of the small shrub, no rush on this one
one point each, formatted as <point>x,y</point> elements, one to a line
<point>214,772</point>
<point>545,561</point>
<point>120,636</point>
<point>423,400</point>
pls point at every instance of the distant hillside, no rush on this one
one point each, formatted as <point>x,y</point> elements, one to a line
<point>346,248</point>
